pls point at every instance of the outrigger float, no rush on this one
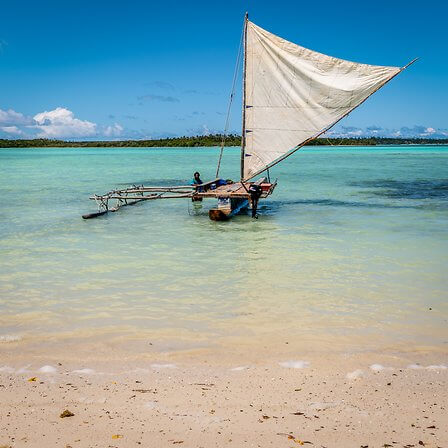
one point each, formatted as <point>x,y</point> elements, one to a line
<point>291,95</point>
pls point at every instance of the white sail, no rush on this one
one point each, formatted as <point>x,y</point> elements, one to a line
<point>293,94</point>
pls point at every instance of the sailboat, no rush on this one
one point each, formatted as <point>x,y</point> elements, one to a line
<point>291,95</point>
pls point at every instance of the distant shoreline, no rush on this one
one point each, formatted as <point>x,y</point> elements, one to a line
<point>210,140</point>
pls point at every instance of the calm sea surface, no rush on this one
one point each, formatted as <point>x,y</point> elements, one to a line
<point>350,252</point>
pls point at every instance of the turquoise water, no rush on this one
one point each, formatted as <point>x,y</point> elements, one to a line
<point>350,252</point>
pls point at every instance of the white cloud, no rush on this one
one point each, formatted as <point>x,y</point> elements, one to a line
<point>14,130</point>
<point>58,123</point>
<point>113,131</point>
<point>11,118</point>
<point>61,122</point>
<point>417,131</point>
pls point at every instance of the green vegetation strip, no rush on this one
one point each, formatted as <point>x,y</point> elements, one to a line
<point>207,141</point>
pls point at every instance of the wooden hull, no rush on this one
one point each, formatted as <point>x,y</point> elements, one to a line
<point>230,208</point>
<point>217,215</point>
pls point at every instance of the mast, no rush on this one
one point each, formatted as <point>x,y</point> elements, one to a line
<point>243,133</point>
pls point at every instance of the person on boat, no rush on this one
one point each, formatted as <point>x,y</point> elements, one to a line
<point>255,192</point>
<point>197,181</point>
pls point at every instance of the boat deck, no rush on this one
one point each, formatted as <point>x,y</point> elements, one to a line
<point>236,190</point>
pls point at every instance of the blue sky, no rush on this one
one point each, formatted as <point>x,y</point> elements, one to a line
<point>142,69</point>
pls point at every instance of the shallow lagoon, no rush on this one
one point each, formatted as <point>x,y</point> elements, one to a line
<point>350,253</point>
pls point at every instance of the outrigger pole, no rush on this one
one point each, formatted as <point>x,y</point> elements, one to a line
<point>135,194</point>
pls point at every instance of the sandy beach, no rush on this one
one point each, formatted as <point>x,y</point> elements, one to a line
<point>343,400</point>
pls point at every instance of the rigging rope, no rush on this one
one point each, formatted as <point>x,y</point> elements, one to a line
<point>229,107</point>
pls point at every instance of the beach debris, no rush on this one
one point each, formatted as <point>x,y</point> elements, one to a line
<point>117,436</point>
<point>298,413</point>
<point>32,379</point>
<point>177,442</point>
<point>294,439</point>
<point>66,413</point>
<point>143,391</point>
<point>421,443</point>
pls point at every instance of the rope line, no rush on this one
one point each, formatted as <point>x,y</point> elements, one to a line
<point>229,107</point>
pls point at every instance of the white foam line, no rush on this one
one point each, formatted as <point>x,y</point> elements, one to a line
<point>24,369</point>
<point>415,366</point>
<point>431,367</point>
<point>355,374</point>
<point>379,368</point>
<point>84,371</point>
<point>138,370</point>
<point>437,367</point>
<point>10,338</point>
<point>294,364</point>
<point>239,368</point>
<point>163,366</point>
<point>48,369</point>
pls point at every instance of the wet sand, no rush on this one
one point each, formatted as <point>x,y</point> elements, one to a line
<point>342,400</point>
